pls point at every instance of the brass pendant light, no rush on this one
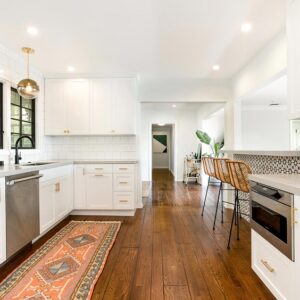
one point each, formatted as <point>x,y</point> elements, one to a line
<point>28,88</point>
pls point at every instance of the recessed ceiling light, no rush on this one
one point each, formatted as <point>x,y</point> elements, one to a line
<point>1,71</point>
<point>32,30</point>
<point>71,69</point>
<point>174,105</point>
<point>246,27</point>
<point>216,67</point>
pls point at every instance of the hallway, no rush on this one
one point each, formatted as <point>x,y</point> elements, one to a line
<point>168,251</point>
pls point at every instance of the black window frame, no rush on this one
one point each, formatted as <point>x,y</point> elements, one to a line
<point>1,116</point>
<point>21,121</point>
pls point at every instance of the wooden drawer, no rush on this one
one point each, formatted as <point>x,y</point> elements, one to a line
<point>272,267</point>
<point>123,200</point>
<point>123,168</point>
<point>98,169</point>
<point>123,182</point>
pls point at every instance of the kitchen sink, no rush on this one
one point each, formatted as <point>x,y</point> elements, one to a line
<point>36,164</point>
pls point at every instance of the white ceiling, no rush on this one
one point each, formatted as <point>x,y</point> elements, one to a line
<point>275,92</point>
<point>171,38</point>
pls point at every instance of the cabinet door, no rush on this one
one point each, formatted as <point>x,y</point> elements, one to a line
<point>101,106</point>
<point>99,191</point>
<point>47,202</point>
<point>293,38</point>
<point>124,106</point>
<point>55,107</point>
<point>2,221</point>
<point>63,197</point>
<point>77,100</point>
<point>79,188</point>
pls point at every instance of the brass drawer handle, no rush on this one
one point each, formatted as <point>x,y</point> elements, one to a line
<point>98,168</point>
<point>57,187</point>
<point>99,175</point>
<point>123,200</point>
<point>293,221</point>
<point>266,264</point>
<point>123,182</point>
<point>123,169</point>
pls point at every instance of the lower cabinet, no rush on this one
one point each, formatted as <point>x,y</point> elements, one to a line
<point>2,221</point>
<point>56,195</point>
<point>104,187</point>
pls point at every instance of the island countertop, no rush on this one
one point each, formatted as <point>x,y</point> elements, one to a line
<point>263,152</point>
<point>286,182</point>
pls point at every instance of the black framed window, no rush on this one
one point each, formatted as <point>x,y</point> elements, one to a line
<point>22,120</point>
<point>1,116</point>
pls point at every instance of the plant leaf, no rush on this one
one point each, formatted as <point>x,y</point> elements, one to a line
<point>203,137</point>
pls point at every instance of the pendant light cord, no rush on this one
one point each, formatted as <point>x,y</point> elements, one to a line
<point>27,65</point>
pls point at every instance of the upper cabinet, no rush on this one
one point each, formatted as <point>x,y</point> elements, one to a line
<point>293,44</point>
<point>90,107</point>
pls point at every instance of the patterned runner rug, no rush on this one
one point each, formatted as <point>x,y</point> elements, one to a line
<point>65,267</point>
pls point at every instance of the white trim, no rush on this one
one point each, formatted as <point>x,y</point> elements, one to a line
<point>103,212</point>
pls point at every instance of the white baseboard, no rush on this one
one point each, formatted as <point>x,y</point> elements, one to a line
<point>117,213</point>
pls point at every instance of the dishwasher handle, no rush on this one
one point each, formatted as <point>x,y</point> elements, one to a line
<point>12,182</point>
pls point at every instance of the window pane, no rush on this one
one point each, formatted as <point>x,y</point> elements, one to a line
<point>26,143</point>
<point>26,115</point>
<point>27,103</point>
<point>15,126</point>
<point>14,138</point>
<point>26,128</point>
<point>15,98</point>
<point>15,112</point>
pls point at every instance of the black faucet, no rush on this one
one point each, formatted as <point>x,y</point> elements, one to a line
<point>17,155</point>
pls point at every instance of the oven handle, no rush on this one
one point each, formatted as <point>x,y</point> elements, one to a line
<point>12,182</point>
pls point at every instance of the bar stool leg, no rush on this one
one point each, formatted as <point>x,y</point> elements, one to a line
<point>205,196</point>
<point>216,212</point>
<point>237,218</point>
<point>232,219</point>
<point>222,195</point>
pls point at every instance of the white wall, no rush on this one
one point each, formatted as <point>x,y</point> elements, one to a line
<point>185,141</point>
<point>265,128</point>
<point>264,67</point>
<point>162,160</point>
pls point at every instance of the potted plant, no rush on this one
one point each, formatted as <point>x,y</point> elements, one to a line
<point>214,146</point>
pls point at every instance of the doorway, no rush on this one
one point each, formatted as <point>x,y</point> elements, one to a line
<point>163,152</point>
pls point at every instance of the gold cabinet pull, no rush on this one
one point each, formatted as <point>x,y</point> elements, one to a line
<point>266,264</point>
<point>293,221</point>
<point>123,200</point>
<point>98,168</point>
<point>57,187</point>
<point>123,169</point>
<point>123,182</point>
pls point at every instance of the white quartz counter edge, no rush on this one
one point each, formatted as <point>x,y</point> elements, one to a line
<point>263,152</point>
<point>19,169</point>
<point>286,182</point>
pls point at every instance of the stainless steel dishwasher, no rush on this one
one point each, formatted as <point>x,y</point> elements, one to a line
<point>22,210</point>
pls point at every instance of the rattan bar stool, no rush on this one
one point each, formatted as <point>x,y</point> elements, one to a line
<point>209,169</point>
<point>222,173</point>
<point>238,171</point>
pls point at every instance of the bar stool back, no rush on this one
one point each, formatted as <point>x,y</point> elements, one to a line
<point>239,172</point>
<point>209,169</point>
<point>222,173</point>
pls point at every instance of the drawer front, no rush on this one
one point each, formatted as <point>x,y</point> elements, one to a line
<point>272,267</point>
<point>123,168</point>
<point>123,182</point>
<point>98,169</point>
<point>123,200</point>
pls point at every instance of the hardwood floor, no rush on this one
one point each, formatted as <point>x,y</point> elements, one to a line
<point>168,251</point>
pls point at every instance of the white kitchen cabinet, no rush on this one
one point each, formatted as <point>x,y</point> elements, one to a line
<point>99,191</point>
<point>104,187</point>
<point>56,195</point>
<point>67,109</point>
<point>124,106</point>
<point>2,221</point>
<point>101,106</point>
<point>90,106</point>
<point>293,40</point>
<point>55,107</point>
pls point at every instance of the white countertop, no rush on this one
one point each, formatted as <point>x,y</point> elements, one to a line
<point>263,152</point>
<point>286,182</point>
<point>9,170</point>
